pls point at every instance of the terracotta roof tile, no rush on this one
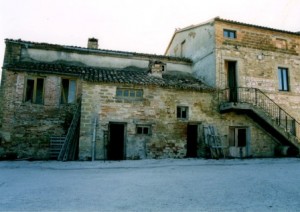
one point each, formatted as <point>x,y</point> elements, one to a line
<point>108,75</point>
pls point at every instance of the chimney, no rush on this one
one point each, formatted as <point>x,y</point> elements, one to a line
<point>156,68</point>
<point>92,43</point>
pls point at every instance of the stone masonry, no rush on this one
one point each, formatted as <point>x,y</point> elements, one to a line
<point>158,109</point>
<point>258,53</point>
<point>154,98</point>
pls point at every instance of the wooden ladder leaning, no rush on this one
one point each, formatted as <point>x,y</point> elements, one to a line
<point>214,142</point>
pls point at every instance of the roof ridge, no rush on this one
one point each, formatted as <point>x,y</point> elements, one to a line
<point>254,25</point>
<point>234,22</point>
<point>117,52</point>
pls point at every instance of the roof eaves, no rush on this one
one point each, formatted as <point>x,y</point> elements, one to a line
<point>108,75</point>
<point>197,25</point>
<point>178,30</point>
<point>101,51</point>
<point>256,26</point>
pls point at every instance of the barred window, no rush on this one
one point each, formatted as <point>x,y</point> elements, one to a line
<point>129,93</point>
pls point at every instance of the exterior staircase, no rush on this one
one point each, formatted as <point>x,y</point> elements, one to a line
<point>56,143</point>
<point>65,148</point>
<point>275,120</point>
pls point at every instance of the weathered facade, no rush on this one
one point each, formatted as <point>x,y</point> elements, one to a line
<point>223,89</point>
<point>248,64</point>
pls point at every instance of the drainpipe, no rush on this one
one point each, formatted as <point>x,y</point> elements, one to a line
<point>94,139</point>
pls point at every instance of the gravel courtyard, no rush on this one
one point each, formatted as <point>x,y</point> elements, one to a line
<point>151,185</point>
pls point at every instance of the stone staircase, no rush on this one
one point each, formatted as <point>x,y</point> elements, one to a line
<point>65,148</point>
<point>253,102</point>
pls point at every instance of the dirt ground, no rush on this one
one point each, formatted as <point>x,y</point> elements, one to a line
<point>151,185</point>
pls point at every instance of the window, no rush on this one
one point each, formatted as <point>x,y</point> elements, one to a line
<point>34,90</point>
<point>143,129</point>
<point>229,33</point>
<point>182,112</point>
<point>182,48</point>
<point>68,91</point>
<point>283,79</point>
<point>129,93</point>
<point>237,136</point>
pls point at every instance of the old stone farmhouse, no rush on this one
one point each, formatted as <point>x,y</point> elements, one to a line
<point>222,89</point>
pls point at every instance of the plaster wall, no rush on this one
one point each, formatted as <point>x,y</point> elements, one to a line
<point>197,43</point>
<point>94,60</point>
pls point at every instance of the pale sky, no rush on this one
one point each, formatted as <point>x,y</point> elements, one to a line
<point>144,26</point>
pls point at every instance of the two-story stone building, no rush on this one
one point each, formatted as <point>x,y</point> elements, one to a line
<point>253,65</point>
<point>223,88</point>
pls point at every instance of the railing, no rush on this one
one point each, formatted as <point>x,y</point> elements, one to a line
<point>260,100</point>
<point>68,145</point>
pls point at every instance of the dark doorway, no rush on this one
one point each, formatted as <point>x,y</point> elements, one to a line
<point>192,140</point>
<point>232,80</point>
<point>241,137</point>
<point>115,147</point>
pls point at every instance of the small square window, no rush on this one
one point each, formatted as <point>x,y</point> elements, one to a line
<point>229,33</point>
<point>182,112</point>
<point>126,93</point>
<point>119,92</point>
<point>139,93</point>
<point>143,129</point>
<point>132,93</point>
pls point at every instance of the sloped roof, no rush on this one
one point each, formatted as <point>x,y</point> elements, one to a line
<point>108,75</point>
<point>178,30</point>
<point>58,47</point>
<point>234,22</point>
<point>256,26</point>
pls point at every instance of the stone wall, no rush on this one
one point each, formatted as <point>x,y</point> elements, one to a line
<point>27,127</point>
<point>168,136</point>
<point>261,38</point>
<point>12,54</point>
<point>259,53</point>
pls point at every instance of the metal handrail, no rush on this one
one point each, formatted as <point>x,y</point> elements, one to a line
<point>260,100</point>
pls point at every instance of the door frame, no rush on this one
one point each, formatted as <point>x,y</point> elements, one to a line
<point>233,137</point>
<point>124,138</point>
<point>232,80</point>
<point>198,124</point>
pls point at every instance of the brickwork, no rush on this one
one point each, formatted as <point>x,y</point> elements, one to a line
<point>257,38</point>
<point>258,56</point>
<point>12,54</point>
<point>168,137</point>
<point>26,127</point>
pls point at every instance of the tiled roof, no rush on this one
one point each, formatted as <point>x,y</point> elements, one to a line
<point>95,51</point>
<point>107,75</point>
<point>256,26</point>
<point>234,22</point>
